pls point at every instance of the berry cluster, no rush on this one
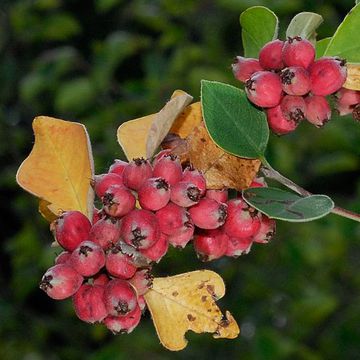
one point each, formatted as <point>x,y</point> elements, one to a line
<point>288,82</point>
<point>348,102</point>
<point>105,265</point>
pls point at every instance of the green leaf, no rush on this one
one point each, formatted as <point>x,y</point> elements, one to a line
<point>259,26</point>
<point>287,206</point>
<point>234,124</point>
<point>304,25</point>
<point>345,42</point>
<point>321,46</point>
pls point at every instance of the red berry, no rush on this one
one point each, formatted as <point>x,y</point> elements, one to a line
<point>210,244</point>
<point>270,56</point>
<point>278,123</point>
<point>118,167</point>
<point>136,172</point>
<point>327,75</point>
<point>154,194</point>
<point>238,246</point>
<point>140,228</point>
<point>266,231</point>
<point>347,97</point>
<point>157,250</point>
<point>195,177</point>
<point>61,281</point>
<point>169,168</point>
<point>102,182</point>
<point>88,258</point>
<point>106,232</point>
<point>100,279</point>
<point>185,194</point>
<point>220,195</point>
<point>264,89</point>
<point>318,111</point>
<point>70,229</point>
<point>344,109</point>
<point>295,80</point>
<point>243,67</point>
<point>120,265</point>
<point>89,304</point>
<point>123,324</point>
<point>63,257</point>
<point>208,214</point>
<point>118,201</point>
<point>171,218</point>
<point>183,235</point>
<point>293,108</point>
<point>298,52</point>
<point>119,297</point>
<point>142,281</point>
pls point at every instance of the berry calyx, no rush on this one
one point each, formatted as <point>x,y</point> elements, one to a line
<point>298,52</point>
<point>136,173</point>
<point>154,194</point>
<point>120,265</point>
<point>169,168</point>
<point>185,194</point>
<point>118,201</point>
<point>123,324</point>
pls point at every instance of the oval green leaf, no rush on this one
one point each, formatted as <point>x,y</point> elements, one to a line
<point>304,24</point>
<point>321,46</point>
<point>259,26</point>
<point>233,123</point>
<point>286,206</point>
<point>345,42</point>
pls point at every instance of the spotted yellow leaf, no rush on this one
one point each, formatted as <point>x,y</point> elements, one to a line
<point>187,302</point>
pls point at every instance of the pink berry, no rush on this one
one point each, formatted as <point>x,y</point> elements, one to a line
<point>88,258</point>
<point>270,56</point>
<point>210,244</point>
<point>243,67</point>
<point>208,214</point>
<point>195,177</point>
<point>119,297</point>
<point>100,279</point>
<point>238,246</point>
<point>264,89</point>
<point>298,52</point>
<point>169,168</point>
<point>266,231</point>
<point>118,167</point>
<point>158,250</point>
<point>63,257</point>
<point>295,80</point>
<point>243,221</point>
<point>220,195</point>
<point>120,265</point>
<point>347,97</point>
<point>89,304</point>
<point>154,194</point>
<point>142,281</point>
<point>140,228</point>
<point>293,108</point>
<point>185,194</point>
<point>123,324</point>
<point>61,281</point>
<point>171,218</point>
<point>327,75</point>
<point>118,201</point>
<point>344,109</point>
<point>183,235</point>
<point>278,123</point>
<point>136,172</point>
<point>106,232</point>
<point>70,229</point>
<point>102,182</point>
<point>318,111</point>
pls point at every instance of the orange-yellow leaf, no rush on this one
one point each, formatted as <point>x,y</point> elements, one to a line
<point>187,302</point>
<point>59,168</point>
<point>353,77</point>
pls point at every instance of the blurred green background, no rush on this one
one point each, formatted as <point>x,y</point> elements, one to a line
<point>102,62</point>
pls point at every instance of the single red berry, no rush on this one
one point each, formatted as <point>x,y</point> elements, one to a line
<point>101,279</point>
<point>88,258</point>
<point>278,122</point>
<point>70,229</point>
<point>106,232</point>
<point>89,304</point>
<point>118,167</point>
<point>295,80</point>
<point>158,250</point>
<point>63,257</point>
<point>347,97</point>
<point>185,194</point>
<point>343,110</point>
<point>220,195</point>
<point>318,111</point>
<point>118,201</point>
<point>208,214</point>
<point>270,56</point>
<point>169,168</point>
<point>120,265</point>
<point>154,194</point>
<point>171,218</point>
<point>119,297</point>
<point>195,177</point>
<point>102,182</point>
<point>293,108</point>
<point>327,75</point>
<point>183,235</point>
<point>298,52</point>
<point>238,246</point>
<point>243,67</point>
<point>140,228</point>
<point>123,324</point>
<point>210,244</point>
<point>136,172</point>
<point>61,281</point>
<point>266,231</point>
<point>264,89</point>
<point>142,281</point>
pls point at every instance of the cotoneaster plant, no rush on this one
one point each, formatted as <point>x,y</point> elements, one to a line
<point>206,186</point>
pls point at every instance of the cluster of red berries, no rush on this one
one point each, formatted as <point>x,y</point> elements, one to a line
<point>105,267</point>
<point>288,82</point>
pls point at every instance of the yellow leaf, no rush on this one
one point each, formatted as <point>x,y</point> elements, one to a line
<point>141,137</point>
<point>59,167</point>
<point>353,77</point>
<point>187,302</point>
